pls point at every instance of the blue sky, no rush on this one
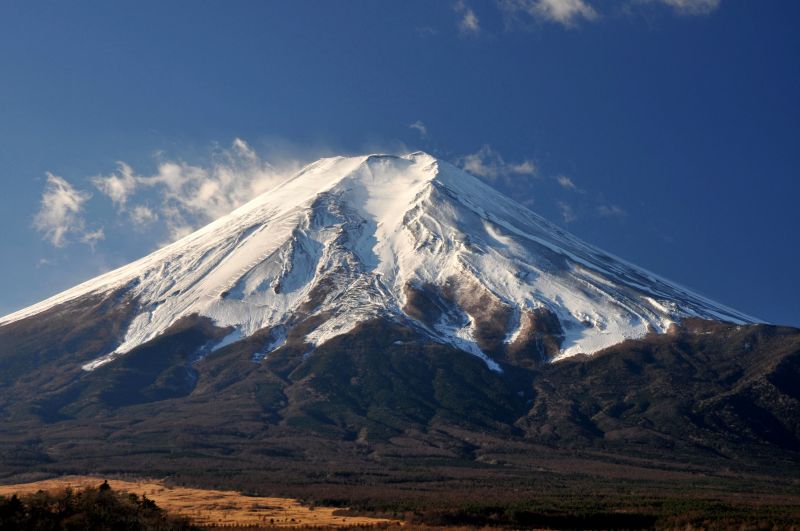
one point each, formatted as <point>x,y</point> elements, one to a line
<point>664,131</point>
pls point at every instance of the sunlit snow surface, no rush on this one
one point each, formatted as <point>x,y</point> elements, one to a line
<point>346,235</point>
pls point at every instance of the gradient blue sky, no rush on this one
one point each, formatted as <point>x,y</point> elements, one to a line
<point>664,131</point>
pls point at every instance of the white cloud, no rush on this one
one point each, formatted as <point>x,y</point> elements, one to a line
<point>419,126</point>
<point>525,167</point>
<point>468,21</point>
<point>692,7</point>
<point>117,186</point>
<point>488,163</point>
<point>569,13</point>
<point>91,237</point>
<point>567,212</point>
<point>142,216</point>
<point>60,216</point>
<point>611,211</point>
<point>192,195</point>
<point>425,31</point>
<point>566,183</point>
<point>565,12</point>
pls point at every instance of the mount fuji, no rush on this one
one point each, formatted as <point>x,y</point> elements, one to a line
<point>382,319</point>
<point>412,239</point>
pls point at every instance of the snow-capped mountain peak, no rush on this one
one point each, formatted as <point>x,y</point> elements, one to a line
<point>408,238</point>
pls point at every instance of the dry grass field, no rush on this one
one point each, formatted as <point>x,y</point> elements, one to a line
<point>210,507</point>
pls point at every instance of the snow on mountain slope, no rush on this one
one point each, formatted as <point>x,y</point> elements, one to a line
<point>351,238</point>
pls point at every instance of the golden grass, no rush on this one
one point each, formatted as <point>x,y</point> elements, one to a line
<point>210,507</point>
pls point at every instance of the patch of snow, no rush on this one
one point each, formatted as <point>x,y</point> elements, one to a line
<point>463,338</point>
<point>278,337</point>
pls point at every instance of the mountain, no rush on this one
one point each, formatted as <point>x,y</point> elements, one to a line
<point>374,319</point>
<point>412,239</point>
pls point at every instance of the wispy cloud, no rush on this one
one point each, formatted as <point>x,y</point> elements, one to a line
<point>567,212</point>
<point>192,195</point>
<point>570,13</point>
<point>566,183</point>
<point>468,22</point>
<point>557,195</point>
<point>173,200</point>
<point>60,217</point>
<point>488,163</point>
<point>420,127</point>
<point>565,12</point>
<point>611,211</point>
<point>119,185</point>
<point>690,7</point>
<point>143,216</point>
<point>425,31</point>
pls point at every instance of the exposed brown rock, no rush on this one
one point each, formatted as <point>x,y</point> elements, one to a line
<point>539,339</point>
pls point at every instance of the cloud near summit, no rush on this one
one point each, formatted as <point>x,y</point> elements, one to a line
<point>488,163</point>
<point>183,196</point>
<point>189,195</point>
<point>60,217</point>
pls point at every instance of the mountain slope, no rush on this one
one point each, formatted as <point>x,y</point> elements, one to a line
<point>411,238</point>
<point>709,396</point>
<point>385,320</point>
